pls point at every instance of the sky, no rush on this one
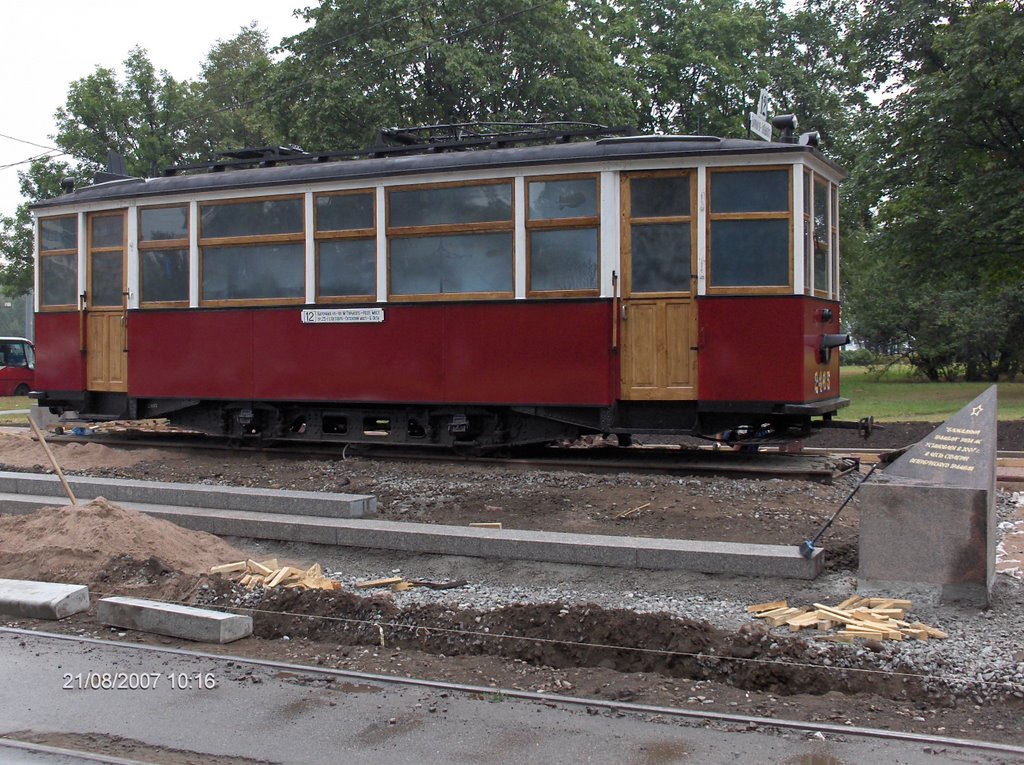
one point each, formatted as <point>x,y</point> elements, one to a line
<point>48,44</point>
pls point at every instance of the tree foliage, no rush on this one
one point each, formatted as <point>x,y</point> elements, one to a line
<point>361,66</point>
<point>945,271</point>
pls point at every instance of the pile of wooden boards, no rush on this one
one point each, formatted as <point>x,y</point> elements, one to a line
<point>855,617</point>
<point>252,574</point>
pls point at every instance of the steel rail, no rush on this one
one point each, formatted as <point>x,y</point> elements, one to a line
<point>79,754</point>
<point>545,698</point>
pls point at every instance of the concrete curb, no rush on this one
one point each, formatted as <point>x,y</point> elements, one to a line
<point>509,544</point>
<point>42,600</point>
<point>329,505</point>
<point>199,624</point>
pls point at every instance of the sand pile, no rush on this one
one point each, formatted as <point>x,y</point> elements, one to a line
<point>22,451</point>
<point>78,542</point>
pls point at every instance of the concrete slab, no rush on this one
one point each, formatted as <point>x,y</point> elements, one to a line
<point>198,624</point>
<point>506,544</point>
<point>42,600</point>
<point>325,504</point>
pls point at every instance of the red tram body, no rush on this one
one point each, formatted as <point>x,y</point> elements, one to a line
<point>499,296</point>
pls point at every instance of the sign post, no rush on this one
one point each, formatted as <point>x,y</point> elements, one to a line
<point>759,124</point>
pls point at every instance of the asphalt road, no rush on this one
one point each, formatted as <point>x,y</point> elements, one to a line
<point>52,690</point>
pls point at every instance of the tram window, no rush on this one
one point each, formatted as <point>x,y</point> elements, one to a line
<point>442,265</point>
<point>749,253</point>
<point>347,267</point>
<point>562,236</point>
<point>346,249</point>
<point>554,200</point>
<point>835,241</point>
<point>563,260</point>
<point>253,272</point>
<point>164,275</point>
<point>264,217</point>
<point>58,233</point>
<point>107,278</point>
<point>821,235</point>
<point>750,230</point>
<point>344,212</point>
<point>163,223</point>
<point>748,191</point>
<point>660,256</point>
<point>163,254</point>
<point>58,261</point>
<point>58,277</point>
<point>451,240</point>
<point>808,241</point>
<point>450,205</point>
<point>659,197</point>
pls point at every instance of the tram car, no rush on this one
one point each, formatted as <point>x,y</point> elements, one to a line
<point>484,291</point>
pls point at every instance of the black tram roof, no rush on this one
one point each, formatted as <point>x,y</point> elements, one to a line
<point>392,166</point>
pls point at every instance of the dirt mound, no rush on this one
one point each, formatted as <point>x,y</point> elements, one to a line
<point>561,636</point>
<point>22,451</point>
<point>77,543</point>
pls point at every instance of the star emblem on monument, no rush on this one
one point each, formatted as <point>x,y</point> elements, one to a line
<point>977,410</point>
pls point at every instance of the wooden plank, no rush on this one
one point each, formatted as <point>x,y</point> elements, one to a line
<point>798,622</point>
<point>773,612</point>
<point>486,525</point>
<point>907,605</point>
<point>850,602</point>
<point>277,577</point>
<point>824,625</point>
<point>386,582</point>
<point>402,586</point>
<point>932,631</point>
<point>863,634</point>
<point>778,619</point>
<point>827,612</point>
<point>228,568</point>
<point>260,568</point>
<point>756,608</point>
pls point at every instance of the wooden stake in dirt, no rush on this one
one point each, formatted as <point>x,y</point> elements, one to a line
<point>53,460</point>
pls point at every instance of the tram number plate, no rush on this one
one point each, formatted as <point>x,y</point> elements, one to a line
<point>342,315</point>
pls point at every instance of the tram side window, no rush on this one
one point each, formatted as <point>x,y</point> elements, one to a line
<point>821,234</point>
<point>451,240</point>
<point>163,255</point>
<point>750,229</point>
<point>346,246</point>
<point>252,251</point>
<point>58,262</point>
<point>562,236</point>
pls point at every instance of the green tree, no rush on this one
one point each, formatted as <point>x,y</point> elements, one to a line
<point>362,66</point>
<point>950,230</point>
<point>143,118</point>
<point>232,96</point>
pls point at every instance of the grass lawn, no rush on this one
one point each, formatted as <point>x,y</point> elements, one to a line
<point>897,395</point>
<point>14,402</point>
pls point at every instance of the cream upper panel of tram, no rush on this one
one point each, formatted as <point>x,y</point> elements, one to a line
<point>607,173</point>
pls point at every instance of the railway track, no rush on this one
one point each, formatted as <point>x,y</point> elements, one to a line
<point>665,459</point>
<point>749,721</point>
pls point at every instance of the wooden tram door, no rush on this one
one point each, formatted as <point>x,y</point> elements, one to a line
<point>105,304</point>
<point>659,312</point>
